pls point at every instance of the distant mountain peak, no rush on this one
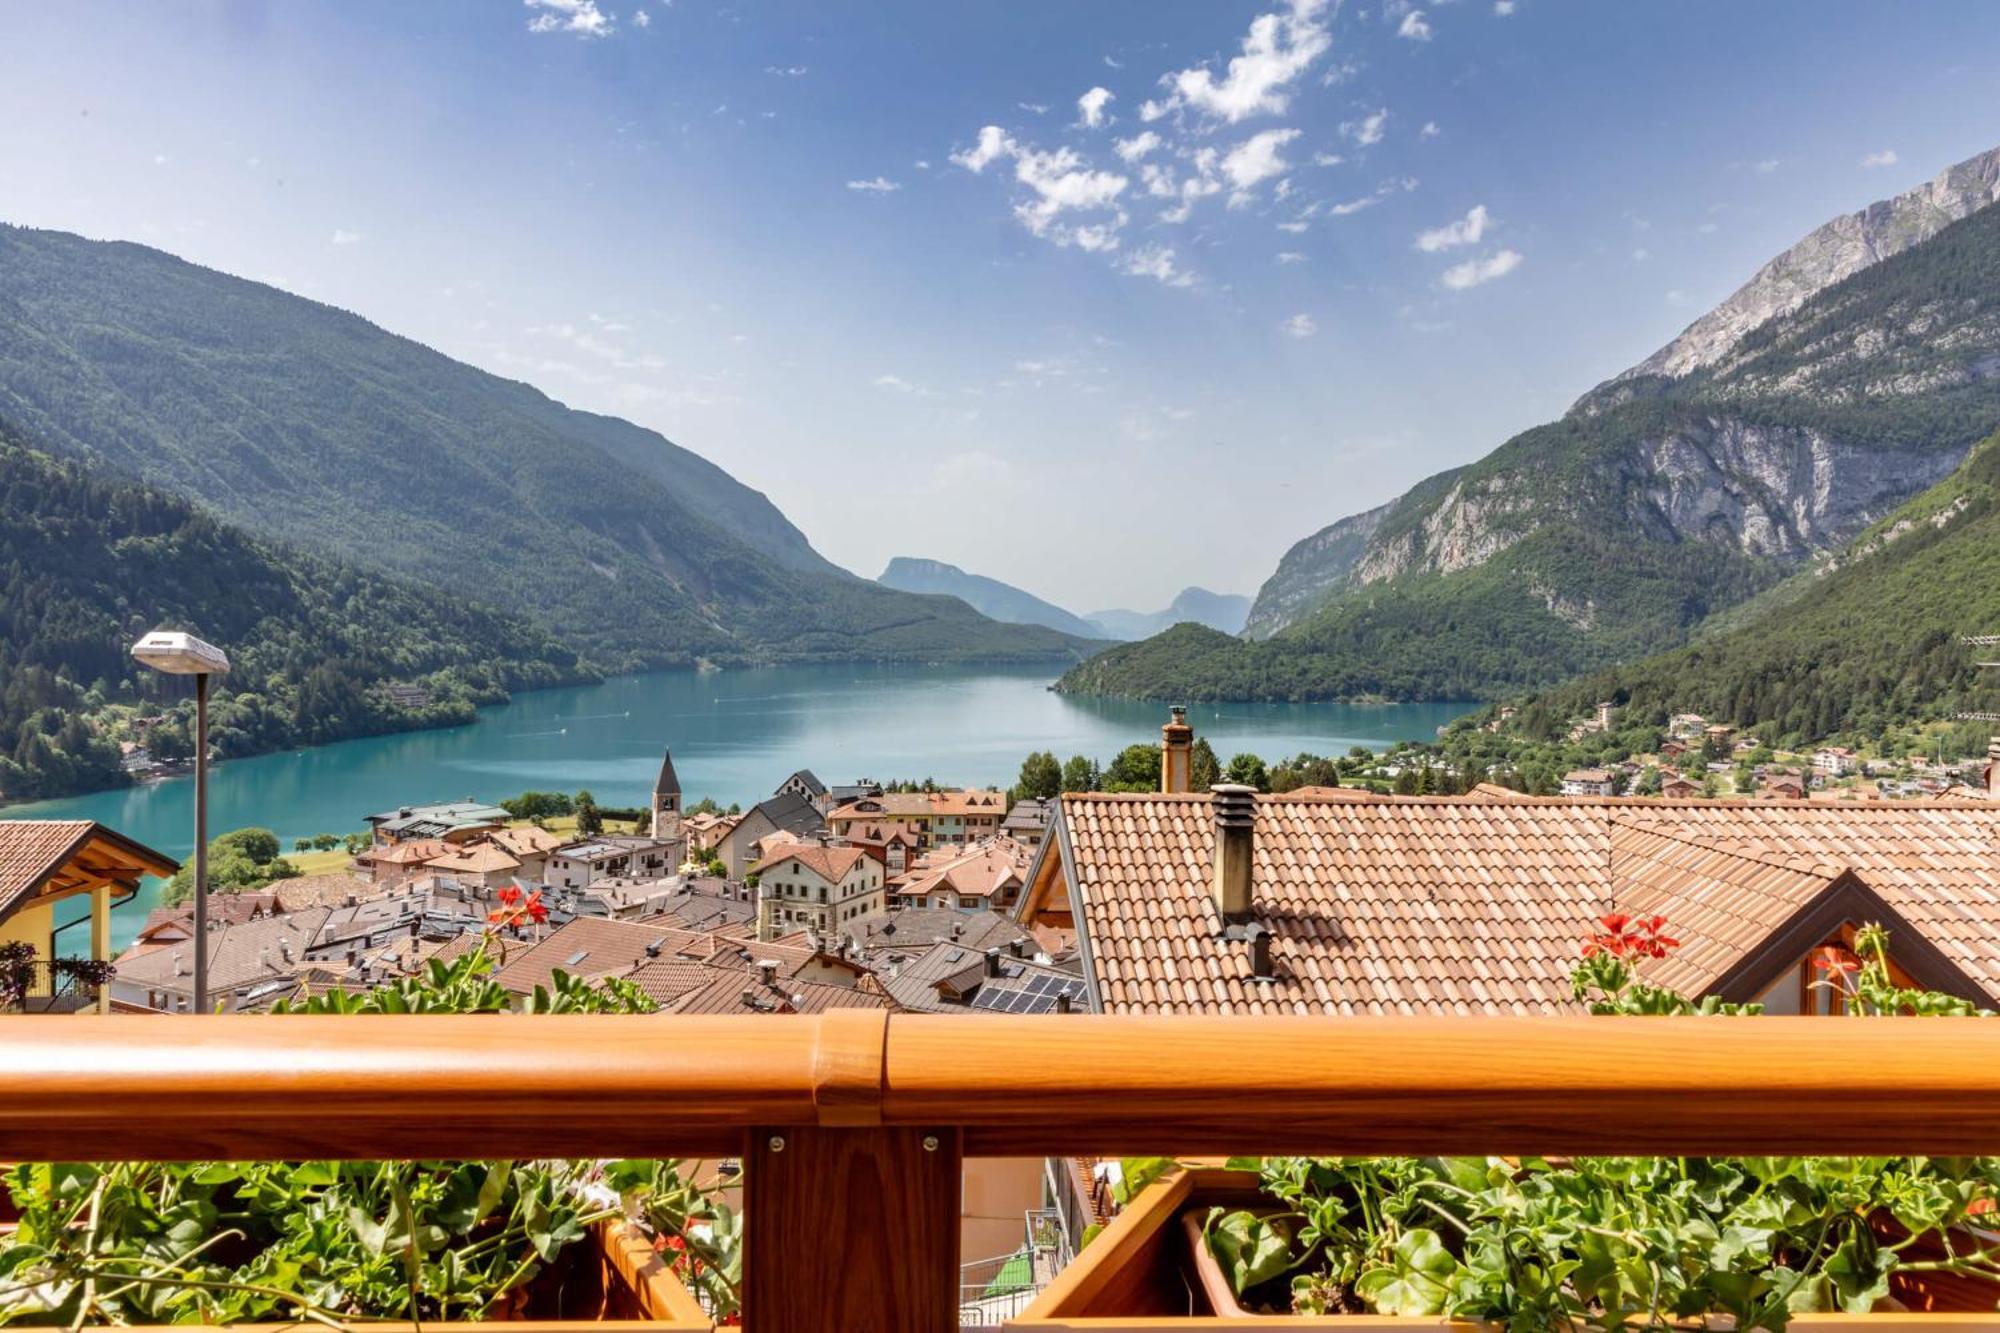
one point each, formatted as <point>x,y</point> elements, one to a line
<point>1833,251</point>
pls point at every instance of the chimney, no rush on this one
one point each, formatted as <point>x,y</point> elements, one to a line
<point>1176,752</point>
<point>992,962</point>
<point>1235,834</point>
<point>767,972</point>
<point>1014,947</point>
<point>1062,1001</point>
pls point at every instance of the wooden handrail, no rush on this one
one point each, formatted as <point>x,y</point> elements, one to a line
<point>176,1087</point>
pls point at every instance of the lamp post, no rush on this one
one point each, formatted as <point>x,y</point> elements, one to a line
<point>180,654</point>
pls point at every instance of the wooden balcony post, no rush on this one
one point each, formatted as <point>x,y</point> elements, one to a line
<point>850,1229</point>
<point>848,1224</point>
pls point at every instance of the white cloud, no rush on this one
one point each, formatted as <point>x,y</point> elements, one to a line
<point>1300,326</point>
<point>1386,189</point>
<point>1885,158</point>
<point>786,71</point>
<point>1430,130</point>
<point>1278,48</point>
<point>1034,108</point>
<point>1368,130</point>
<point>581,17</point>
<point>1138,145</point>
<point>1327,159</point>
<point>1476,271</point>
<point>1256,159</point>
<point>641,19</point>
<point>1503,7</point>
<point>1708,229</point>
<point>878,185</point>
<point>1466,231</point>
<point>896,382</point>
<point>342,236</point>
<point>1157,262</point>
<point>1414,27</point>
<point>1061,180</point>
<point>1290,257</point>
<point>1091,106</point>
<point>1766,167</point>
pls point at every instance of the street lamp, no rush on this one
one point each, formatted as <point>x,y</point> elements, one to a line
<point>181,654</point>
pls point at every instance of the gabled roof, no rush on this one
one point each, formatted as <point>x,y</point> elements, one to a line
<point>54,857</point>
<point>1479,904</point>
<point>669,782</point>
<point>806,778</point>
<point>788,811</point>
<point>831,864</point>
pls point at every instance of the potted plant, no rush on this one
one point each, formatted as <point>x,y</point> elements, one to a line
<point>219,1243</point>
<point>1740,1242</point>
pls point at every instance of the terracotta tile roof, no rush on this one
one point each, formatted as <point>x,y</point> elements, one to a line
<point>417,851</point>
<point>740,992</point>
<point>50,855</point>
<point>482,858</point>
<point>1479,904</point>
<point>589,946</point>
<point>982,870</point>
<point>975,802</point>
<point>831,864</point>
<point>239,955</point>
<point>331,889</point>
<point>526,840</point>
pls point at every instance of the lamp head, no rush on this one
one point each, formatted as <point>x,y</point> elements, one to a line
<point>180,654</point>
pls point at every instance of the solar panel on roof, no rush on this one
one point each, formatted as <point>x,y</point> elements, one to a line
<point>576,958</point>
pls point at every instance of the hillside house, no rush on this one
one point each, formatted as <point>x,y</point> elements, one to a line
<point>817,888</point>
<point>449,821</point>
<point>1834,761</point>
<point>44,862</point>
<point>1587,782</point>
<point>986,876</point>
<point>790,813</point>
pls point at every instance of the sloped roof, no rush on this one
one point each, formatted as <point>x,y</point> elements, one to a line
<point>790,811</point>
<point>806,778</point>
<point>831,864</point>
<point>1479,904</point>
<point>54,856</point>
<point>743,993</point>
<point>669,782</point>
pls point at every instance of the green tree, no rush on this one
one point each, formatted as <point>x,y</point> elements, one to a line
<point>245,858</point>
<point>1248,770</point>
<point>1204,769</point>
<point>1041,777</point>
<point>1079,774</point>
<point>589,820</point>
<point>1137,768</point>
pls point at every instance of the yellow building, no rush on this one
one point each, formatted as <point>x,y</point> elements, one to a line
<point>42,862</point>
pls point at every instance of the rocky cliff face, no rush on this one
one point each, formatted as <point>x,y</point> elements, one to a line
<point>1759,467</point>
<point>1835,251</point>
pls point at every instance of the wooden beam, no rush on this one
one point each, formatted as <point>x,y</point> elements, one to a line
<point>849,1229</point>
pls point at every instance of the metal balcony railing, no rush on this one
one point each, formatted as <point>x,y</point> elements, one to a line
<point>851,1125</point>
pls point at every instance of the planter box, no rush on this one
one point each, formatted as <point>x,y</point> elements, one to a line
<point>1138,1277</point>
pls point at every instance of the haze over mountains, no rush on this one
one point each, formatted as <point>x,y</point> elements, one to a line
<point>1003,601</point>
<point>314,426</point>
<point>1850,374</point>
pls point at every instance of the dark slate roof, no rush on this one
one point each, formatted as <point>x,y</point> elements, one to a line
<point>811,781</point>
<point>792,813</point>
<point>668,782</point>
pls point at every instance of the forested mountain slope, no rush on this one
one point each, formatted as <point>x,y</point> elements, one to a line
<point>312,425</point>
<point>1651,506</point>
<point>88,564</point>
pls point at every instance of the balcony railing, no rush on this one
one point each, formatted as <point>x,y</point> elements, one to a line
<point>851,1125</point>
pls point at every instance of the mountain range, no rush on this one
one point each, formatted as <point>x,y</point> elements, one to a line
<point>1847,376</point>
<point>1003,601</point>
<point>381,536</point>
<point>312,425</point>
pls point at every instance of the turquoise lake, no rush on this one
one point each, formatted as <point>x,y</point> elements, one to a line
<point>735,736</point>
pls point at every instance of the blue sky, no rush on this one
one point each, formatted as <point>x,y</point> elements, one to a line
<point>900,267</point>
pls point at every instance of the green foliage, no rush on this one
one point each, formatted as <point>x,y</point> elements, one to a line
<point>1041,777</point>
<point>1585,571</point>
<point>589,819</point>
<point>1611,1243</point>
<point>703,1236</point>
<point>1079,774</point>
<point>312,1242</point>
<point>1249,771</point>
<point>1204,769</point>
<point>295,419</point>
<point>541,805</point>
<point>1135,768</point>
<point>245,858</point>
<point>89,563</point>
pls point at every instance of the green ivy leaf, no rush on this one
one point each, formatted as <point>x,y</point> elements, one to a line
<point>1252,1249</point>
<point>1415,1281</point>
